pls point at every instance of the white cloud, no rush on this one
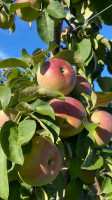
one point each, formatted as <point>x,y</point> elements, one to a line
<point>3,55</point>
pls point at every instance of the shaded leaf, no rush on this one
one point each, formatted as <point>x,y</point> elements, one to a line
<point>4,188</point>
<point>14,190</point>
<point>73,190</point>
<point>59,185</point>
<point>75,167</point>
<point>45,27</point>
<point>105,83</point>
<point>101,99</point>
<point>56,10</point>
<point>92,161</point>
<point>13,62</point>
<point>15,6</point>
<point>103,40</point>
<point>9,142</point>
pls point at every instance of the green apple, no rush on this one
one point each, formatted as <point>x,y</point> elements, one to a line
<point>57,74</point>
<point>42,164</point>
<point>82,86</point>
<point>5,21</point>
<point>29,13</point>
<point>70,115</point>
<point>103,132</point>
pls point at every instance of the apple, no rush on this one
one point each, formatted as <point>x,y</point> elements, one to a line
<point>42,164</point>
<point>70,114</point>
<point>57,74</point>
<point>29,13</point>
<point>82,86</point>
<point>5,116</point>
<point>5,21</point>
<point>103,132</point>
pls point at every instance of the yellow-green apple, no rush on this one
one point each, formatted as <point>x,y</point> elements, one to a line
<point>70,115</point>
<point>42,164</point>
<point>5,116</point>
<point>103,132</point>
<point>5,21</point>
<point>29,13</point>
<point>57,74</point>
<point>82,86</point>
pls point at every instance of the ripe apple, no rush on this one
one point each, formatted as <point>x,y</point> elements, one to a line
<point>42,164</point>
<point>28,13</point>
<point>103,132</point>
<point>5,21</point>
<point>70,114</point>
<point>57,74</point>
<point>5,116</point>
<point>82,86</point>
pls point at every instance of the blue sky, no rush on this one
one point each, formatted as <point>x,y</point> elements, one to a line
<point>24,37</point>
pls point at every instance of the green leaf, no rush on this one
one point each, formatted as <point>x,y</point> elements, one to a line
<point>101,99</point>
<point>70,56</point>
<point>41,194</point>
<point>41,54</point>
<point>75,167</point>
<point>24,107</point>
<point>108,196</point>
<point>73,190</point>
<point>106,186</point>
<point>26,130</point>
<point>59,185</point>
<point>92,161</point>
<point>14,190</point>
<point>13,62</point>
<point>9,142</point>
<point>105,83</point>
<point>14,73</point>
<point>107,149</point>
<point>104,41</point>
<point>4,188</point>
<point>43,108</point>
<point>56,10</point>
<point>45,27</point>
<point>89,126</point>
<point>15,6</point>
<point>83,144</point>
<point>84,49</point>
<point>5,96</point>
<point>34,92</point>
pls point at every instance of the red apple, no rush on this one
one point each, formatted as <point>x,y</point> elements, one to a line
<point>70,114</point>
<point>28,13</point>
<point>57,74</point>
<point>103,132</point>
<point>42,164</point>
<point>5,21</point>
<point>82,86</point>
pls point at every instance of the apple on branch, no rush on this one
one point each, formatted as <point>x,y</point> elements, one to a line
<point>82,86</point>
<point>5,116</point>
<point>103,132</point>
<point>42,164</point>
<point>70,115</point>
<point>57,74</point>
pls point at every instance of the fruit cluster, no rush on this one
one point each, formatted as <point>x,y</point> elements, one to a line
<point>57,74</point>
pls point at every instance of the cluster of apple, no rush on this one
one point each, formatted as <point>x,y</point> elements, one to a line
<point>57,74</point>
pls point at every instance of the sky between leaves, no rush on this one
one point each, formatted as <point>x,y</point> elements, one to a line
<point>26,37</point>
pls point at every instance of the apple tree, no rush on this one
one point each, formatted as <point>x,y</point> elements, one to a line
<point>55,129</point>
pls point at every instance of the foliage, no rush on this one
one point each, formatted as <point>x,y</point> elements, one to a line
<point>83,47</point>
